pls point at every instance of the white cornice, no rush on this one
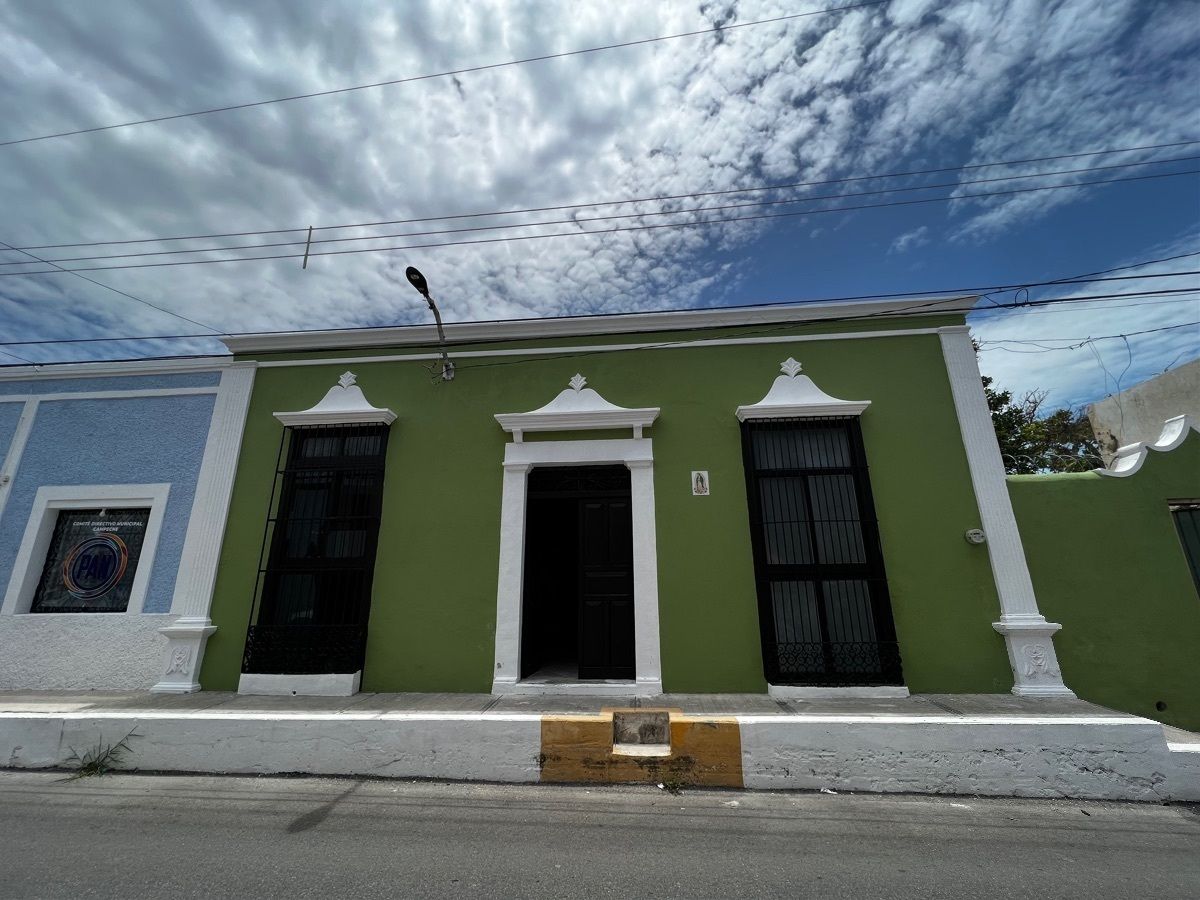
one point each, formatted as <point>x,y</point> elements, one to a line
<point>103,369</point>
<point>793,395</point>
<point>1129,458</point>
<point>343,404</point>
<point>578,408</point>
<point>569,326</point>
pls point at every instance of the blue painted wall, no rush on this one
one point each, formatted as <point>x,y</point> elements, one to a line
<point>141,440</point>
<point>10,414</point>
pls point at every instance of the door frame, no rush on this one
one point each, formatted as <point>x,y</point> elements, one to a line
<point>638,456</point>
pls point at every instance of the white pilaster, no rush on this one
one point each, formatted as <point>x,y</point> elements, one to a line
<point>188,634</point>
<point>16,447</point>
<point>1026,632</point>
<point>511,582</point>
<point>647,652</point>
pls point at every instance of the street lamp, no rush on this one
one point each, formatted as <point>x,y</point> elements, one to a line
<point>417,280</point>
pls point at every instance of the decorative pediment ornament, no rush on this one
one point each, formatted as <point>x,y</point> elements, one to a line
<point>1129,459</point>
<point>794,394</point>
<point>577,408</point>
<point>343,404</point>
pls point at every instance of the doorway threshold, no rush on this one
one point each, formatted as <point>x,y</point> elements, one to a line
<point>541,683</point>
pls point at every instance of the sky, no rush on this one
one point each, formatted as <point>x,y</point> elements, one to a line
<point>901,86</point>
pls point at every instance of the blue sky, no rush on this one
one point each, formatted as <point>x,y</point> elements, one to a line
<point>903,85</point>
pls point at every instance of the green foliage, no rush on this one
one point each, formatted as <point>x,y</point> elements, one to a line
<point>101,759</point>
<point>1031,442</point>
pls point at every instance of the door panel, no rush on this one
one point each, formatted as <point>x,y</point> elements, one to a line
<point>606,589</point>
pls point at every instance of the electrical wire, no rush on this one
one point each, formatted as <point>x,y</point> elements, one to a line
<point>109,287</point>
<point>579,220</point>
<point>718,29</point>
<point>718,221</point>
<point>622,202</point>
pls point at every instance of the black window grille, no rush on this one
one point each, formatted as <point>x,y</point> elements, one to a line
<point>1187,522</point>
<point>824,609</point>
<point>313,592</point>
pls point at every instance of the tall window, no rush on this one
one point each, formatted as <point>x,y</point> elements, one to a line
<point>315,584</point>
<point>824,609</point>
<point>1187,523</point>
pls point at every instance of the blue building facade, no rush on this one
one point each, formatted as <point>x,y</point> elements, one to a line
<point>114,484</point>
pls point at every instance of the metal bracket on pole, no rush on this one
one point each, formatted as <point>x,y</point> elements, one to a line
<point>447,366</point>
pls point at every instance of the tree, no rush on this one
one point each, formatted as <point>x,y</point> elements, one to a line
<point>1031,442</point>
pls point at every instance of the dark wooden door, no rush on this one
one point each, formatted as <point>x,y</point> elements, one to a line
<point>606,588</point>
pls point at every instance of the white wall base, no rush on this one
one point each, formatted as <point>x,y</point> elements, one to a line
<point>331,685</point>
<point>186,638</point>
<point>81,651</point>
<point>806,692</point>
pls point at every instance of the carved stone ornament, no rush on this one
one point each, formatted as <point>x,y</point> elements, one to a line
<point>577,408</point>
<point>343,404</point>
<point>180,657</point>
<point>1129,458</point>
<point>794,394</point>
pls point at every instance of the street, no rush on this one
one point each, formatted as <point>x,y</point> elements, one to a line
<point>182,836</point>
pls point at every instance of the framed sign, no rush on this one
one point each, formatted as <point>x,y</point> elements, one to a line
<point>91,561</point>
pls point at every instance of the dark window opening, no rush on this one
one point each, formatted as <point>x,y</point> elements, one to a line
<point>313,595</point>
<point>1187,522</point>
<point>824,610</point>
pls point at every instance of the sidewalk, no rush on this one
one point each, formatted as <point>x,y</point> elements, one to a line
<point>993,744</point>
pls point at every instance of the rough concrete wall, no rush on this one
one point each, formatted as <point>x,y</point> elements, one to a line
<point>1138,413</point>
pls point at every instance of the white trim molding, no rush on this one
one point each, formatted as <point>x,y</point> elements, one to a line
<point>1027,634</point>
<point>197,576</point>
<point>577,408</point>
<point>813,692</point>
<point>638,455</point>
<point>793,395</point>
<point>575,326</point>
<point>1129,459</point>
<point>343,404</point>
<point>39,529</point>
<point>16,449</point>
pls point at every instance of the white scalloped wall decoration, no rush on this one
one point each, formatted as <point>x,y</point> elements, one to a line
<point>1129,459</point>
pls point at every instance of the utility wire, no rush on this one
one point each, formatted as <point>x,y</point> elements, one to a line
<point>108,287</point>
<point>622,202</point>
<point>1080,343</point>
<point>704,223</point>
<point>799,303</point>
<point>718,29</point>
<point>579,220</point>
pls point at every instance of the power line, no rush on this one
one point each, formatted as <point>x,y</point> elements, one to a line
<point>1080,343</point>
<point>1003,288</point>
<point>718,221</point>
<point>579,220</point>
<point>626,201</point>
<point>108,287</point>
<point>718,29</point>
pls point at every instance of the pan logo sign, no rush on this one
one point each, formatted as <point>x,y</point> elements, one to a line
<point>94,566</point>
<point>92,561</point>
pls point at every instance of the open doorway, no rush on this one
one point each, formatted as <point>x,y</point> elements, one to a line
<point>577,620</point>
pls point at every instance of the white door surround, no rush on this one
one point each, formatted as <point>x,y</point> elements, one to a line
<point>637,454</point>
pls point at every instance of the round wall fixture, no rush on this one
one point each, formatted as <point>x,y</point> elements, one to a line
<point>975,536</point>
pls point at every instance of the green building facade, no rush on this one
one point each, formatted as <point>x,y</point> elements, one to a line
<point>800,499</point>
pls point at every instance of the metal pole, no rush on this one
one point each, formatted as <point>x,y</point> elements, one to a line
<point>447,366</point>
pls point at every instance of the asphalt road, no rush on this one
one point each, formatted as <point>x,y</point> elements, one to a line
<point>179,837</point>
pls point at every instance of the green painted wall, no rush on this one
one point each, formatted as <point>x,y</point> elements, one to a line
<point>433,610</point>
<point>1107,564</point>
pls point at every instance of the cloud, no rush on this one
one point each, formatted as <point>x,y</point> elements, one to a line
<point>909,84</point>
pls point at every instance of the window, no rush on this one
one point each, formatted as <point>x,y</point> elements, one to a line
<point>92,561</point>
<point>315,586</point>
<point>824,609</point>
<point>1187,523</point>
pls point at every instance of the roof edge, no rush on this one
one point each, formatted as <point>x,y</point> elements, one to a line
<point>573,326</point>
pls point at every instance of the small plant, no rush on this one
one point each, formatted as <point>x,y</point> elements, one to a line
<point>101,759</point>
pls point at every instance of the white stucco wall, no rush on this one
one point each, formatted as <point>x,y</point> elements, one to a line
<point>1137,414</point>
<point>100,651</point>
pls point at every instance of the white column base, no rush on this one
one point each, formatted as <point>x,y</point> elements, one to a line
<point>186,638</point>
<point>1032,657</point>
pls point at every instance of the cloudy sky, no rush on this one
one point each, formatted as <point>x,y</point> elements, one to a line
<point>901,86</point>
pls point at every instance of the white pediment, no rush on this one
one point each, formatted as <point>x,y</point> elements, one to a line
<point>577,408</point>
<point>343,404</point>
<point>795,395</point>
